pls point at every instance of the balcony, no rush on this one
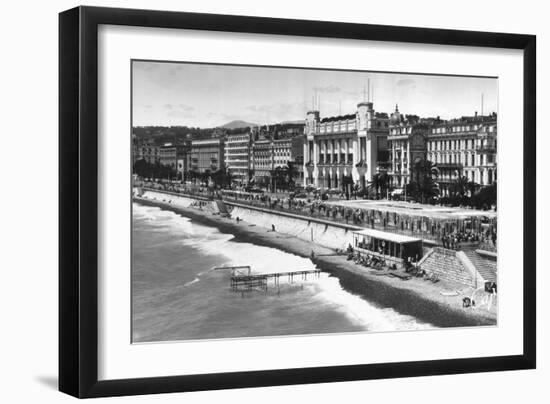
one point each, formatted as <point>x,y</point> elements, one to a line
<point>450,166</point>
<point>487,148</point>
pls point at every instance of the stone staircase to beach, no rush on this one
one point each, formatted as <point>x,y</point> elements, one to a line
<point>486,265</point>
<point>448,266</point>
<point>222,208</point>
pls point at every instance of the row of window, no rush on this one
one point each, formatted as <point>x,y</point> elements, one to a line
<point>335,158</point>
<point>452,144</point>
<point>465,159</point>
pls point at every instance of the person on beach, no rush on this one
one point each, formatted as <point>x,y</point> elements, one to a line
<point>272,227</point>
<point>312,255</point>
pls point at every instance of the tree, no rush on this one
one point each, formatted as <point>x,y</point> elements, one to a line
<point>291,173</point>
<point>485,197</point>
<point>461,190</point>
<point>423,183</point>
<point>458,187</point>
<point>380,183</point>
<point>472,187</point>
<point>278,178</point>
<point>222,177</point>
<point>142,168</point>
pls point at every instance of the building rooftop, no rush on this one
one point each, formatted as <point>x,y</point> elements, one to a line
<point>415,209</point>
<point>338,118</point>
<point>382,235</point>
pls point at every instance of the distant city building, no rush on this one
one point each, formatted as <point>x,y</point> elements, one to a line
<point>170,154</point>
<point>149,153</point>
<point>238,156</point>
<point>206,155</point>
<point>270,153</point>
<point>282,152</point>
<point>344,147</point>
<point>219,133</point>
<point>297,157</point>
<point>262,160</point>
<point>407,145</point>
<point>465,146</point>
<point>459,147</point>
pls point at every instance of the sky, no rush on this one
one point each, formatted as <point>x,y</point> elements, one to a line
<point>207,95</point>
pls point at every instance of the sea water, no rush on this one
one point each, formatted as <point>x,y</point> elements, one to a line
<point>178,295</point>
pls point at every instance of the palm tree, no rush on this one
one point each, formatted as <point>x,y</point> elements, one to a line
<point>291,173</point>
<point>459,186</point>
<point>425,174</point>
<point>380,183</point>
<point>472,187</point>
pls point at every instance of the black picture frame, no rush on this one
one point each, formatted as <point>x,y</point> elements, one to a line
<point>78,200</point>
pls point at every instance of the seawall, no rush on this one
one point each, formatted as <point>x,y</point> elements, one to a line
<point>325,233</point>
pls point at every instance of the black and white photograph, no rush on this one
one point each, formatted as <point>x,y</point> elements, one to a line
<point>279,201</point>
<point>275,202</point>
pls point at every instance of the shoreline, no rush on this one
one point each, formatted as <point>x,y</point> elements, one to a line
<point>415,297</point>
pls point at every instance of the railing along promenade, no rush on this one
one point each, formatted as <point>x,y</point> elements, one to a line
<point>324,212</point>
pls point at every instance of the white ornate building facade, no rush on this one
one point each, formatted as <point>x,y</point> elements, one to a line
<point>465,146</point>
<point>344,147</point>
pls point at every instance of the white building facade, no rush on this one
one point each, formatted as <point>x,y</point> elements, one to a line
<point>465,146</point>
<point>237,159</point>
<point>344,147</point>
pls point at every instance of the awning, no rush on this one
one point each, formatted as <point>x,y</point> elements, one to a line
<point>382,235</point>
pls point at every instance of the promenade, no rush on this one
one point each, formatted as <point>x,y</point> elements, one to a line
<point>436,225</point>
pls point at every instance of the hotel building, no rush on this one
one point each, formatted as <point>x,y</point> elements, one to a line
<point>262,160</point>
<point>459,147</point>
<point>348,146</point>
<point>269,154</point>
<point>237,156</point>
<point>465,147</point>
<point>206,155</point>
<point>149,153</point>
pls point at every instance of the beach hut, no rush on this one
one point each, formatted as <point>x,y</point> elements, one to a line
<point>395,248</point>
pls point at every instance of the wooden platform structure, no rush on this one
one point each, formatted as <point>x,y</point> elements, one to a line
<point>260,281</point>
<point>243,280</point>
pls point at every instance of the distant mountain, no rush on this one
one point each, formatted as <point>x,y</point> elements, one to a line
<point>237,124</point>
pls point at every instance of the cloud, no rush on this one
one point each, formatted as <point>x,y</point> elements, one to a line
<point>145,66</point>
<point>180,110</point>
<point>406,83</point>
<point>224,116</point>
<point>179,107</point>
<point>180,114</point>
<point>278,108</point>
<point>184,107</point>
<point>330,89</point>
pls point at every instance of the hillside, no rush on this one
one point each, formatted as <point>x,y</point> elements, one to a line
<point>238,124</point>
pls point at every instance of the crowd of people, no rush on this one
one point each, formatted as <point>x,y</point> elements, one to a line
<point>455,240</point>
<point>450,235</point>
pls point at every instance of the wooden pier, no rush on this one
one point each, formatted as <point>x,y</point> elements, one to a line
<point>242,278</point>
<point>260,281</point>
